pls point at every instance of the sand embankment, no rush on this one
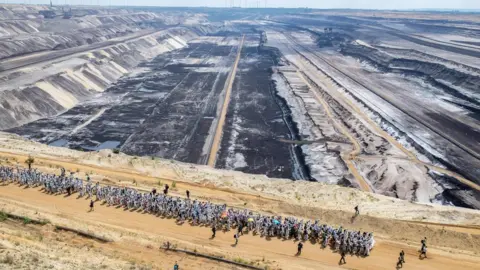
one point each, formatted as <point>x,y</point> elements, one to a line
<point>452,232</point>
<point>396,224</point>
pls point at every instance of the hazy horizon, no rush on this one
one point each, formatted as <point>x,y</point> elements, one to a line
<point>339,4</point>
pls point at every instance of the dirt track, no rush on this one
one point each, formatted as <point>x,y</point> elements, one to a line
<point>252,247</point>
<point>236,198</point>
<point>356,146</point>
<point>391,234</point>
<point>223,113</point>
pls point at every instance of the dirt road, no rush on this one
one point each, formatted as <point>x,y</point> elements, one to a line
<point>250,247</point>
<point>237,198</point>
<point>347,157</point>
<point>212,157</point>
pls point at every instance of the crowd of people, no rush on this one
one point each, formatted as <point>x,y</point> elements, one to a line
<point>216,216</point>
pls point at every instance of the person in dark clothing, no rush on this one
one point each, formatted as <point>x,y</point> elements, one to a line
<point>165,191</point>
<point>188,194</point>
<point>240,229</point>
<point>399,262</point>
<point>154,191</point>
<point>176,267</point>
<point>236,238</point>
<point>424,241</point>
<point>342,259</point>
<point>214,231</point>
<point>299,248</point>
<point>357,212</point>
<point>91,205</point>
<point>423,251</point>
<point>402,255</point>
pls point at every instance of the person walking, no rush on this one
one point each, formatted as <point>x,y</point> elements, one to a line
<point>423,251</point>
<point>214,231</point>
<point>399,262</point>
<point>240,228</point>
<point>91,205</point>
<point>176,267</point>
<point>299,248</point>
<point>402,255</point>
<point>342,259</point>
<point>188,194</point>
<point>357,212</point>
<point>236,238</point>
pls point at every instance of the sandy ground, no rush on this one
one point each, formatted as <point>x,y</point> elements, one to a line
<point>123,169</point>
<point>453,233</point>
<point>140,234</point>
<point>42,247</point>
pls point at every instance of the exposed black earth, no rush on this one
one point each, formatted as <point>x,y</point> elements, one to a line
<point>168,110</point>
<point>256,121</point>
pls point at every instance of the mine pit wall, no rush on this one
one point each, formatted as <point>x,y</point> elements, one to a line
<point>455,160</point>
<point>454,192</point>
<point>308,128</point>
<point>44,35</point>
<point>55,94</point>
<point>466,88</point>
<point>301,171</point>
<point>414,54</point>
<point>436,74</point>
<point>256,110</point>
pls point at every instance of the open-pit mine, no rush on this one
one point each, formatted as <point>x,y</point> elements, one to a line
<point>389,105</point>
<point>285,112</point>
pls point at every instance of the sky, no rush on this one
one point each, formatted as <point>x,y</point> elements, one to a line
<point>353,4</point>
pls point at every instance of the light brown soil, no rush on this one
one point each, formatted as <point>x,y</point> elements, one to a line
<point>42,247</point>
<point>453,233</point>
<point>123,226</point>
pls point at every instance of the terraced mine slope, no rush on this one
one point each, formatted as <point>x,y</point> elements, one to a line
<point>422,102</point>
<point>48,65</point>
